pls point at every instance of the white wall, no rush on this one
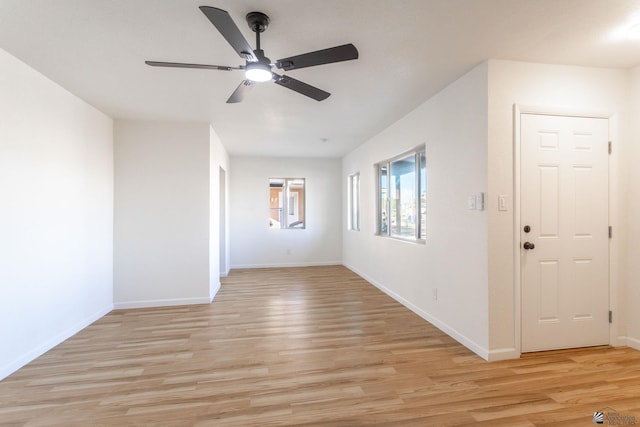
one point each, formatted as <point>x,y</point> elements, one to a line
<point>453,125</point>
<point>554,88</point>
<point>632,197</point>
<point>253,244</point>
<point>56,201</point>
<point>161,214</point>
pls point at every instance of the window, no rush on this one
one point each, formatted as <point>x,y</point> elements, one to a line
<point>286,203</point>
<point>353,210</point>
<point>402,196</point>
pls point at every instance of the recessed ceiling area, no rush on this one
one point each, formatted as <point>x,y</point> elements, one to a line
<point>408,51</point>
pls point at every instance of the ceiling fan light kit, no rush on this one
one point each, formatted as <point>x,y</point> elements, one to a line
<point>258,68</point>
<point>257,72</point>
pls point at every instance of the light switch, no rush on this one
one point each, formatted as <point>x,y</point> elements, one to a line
<point>480,201</point>
<point>502,203</point>
<point>471,202</point>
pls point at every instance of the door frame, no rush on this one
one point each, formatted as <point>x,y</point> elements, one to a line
<point>518,110</point>
<point>223,261</point>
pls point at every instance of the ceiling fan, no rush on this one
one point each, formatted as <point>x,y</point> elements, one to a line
<point>258,68</point>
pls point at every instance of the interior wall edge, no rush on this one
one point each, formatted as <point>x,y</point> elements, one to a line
<point>214,290</point>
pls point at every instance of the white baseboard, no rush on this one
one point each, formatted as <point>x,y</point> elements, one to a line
<point>619,341</point>
<point>285,265</point>
<point>465,341</point>
<point>633,343</point>
<point>38,351</point>
<point>503,354</point>
<point>162,302</point>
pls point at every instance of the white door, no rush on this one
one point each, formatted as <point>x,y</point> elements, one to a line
<point>564,245</point>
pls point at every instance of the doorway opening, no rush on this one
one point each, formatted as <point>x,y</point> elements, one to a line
<point>223,222</point>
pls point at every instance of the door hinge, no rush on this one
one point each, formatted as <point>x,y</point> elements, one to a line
<point>610,232</point>
<point>610,147</point>
<point>610,316</point>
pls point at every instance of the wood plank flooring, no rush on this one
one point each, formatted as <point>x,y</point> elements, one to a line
<point>314,346</point>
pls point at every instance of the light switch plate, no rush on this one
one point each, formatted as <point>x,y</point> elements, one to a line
<point>480,201</point>
<point>502,203</point>
<point>471,202</point>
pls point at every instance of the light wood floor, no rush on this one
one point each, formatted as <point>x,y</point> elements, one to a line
<point>305,346</point>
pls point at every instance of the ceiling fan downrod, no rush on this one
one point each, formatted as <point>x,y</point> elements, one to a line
<point>258,22</point>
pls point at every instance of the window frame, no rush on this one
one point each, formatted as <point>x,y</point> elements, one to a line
<point>287,206</point>
<point>420,233</point>
<point>353,202</point>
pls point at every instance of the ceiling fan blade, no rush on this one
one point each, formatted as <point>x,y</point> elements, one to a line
<point>240,92</point>
<point>345,52</point>
<point>229,30</point>
<point>300,87</point>
<point>183,65</point>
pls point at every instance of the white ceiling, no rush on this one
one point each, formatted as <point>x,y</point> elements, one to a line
<point>409,50</point>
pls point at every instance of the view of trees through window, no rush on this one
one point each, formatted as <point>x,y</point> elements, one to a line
<point>402,196</point>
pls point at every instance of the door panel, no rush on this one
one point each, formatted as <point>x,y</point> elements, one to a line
<point>549,194</point>
<point>564,199</point>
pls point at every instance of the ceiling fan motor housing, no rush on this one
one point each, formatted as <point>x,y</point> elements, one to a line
<point>258,21</point>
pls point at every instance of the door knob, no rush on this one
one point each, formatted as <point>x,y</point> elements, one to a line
<point>528,245</point>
